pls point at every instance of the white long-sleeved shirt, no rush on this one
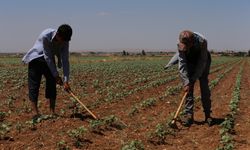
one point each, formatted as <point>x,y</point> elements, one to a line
<point>44,46</point>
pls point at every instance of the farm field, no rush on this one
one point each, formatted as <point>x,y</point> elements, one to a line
<point>134,99</point>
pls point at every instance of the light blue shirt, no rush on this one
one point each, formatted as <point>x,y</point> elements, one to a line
<point>44,46</point>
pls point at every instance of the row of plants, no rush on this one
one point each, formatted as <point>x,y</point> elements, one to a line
<point>134,144</point>
<point>115,77</point>
<point>19,79</point>
<point>172,90</point>
<point>227,126</point>
<point>118,96</point>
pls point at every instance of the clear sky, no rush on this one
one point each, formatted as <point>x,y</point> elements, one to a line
<point>126,24</point>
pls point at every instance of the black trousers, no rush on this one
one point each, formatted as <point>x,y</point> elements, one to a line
<point>36,69</point>
<point>205,91</point>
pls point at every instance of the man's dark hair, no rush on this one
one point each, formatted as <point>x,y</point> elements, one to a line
<point>65,31</point>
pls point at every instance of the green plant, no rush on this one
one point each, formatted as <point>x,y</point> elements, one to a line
<point>78,135</point>
<point>62,111</point>
<point>10,101</point>
<point>96,84</point>
<point>4,129</point>
<point>227,125</point>
<point>96,125</point>
<point>160,132</point>
<point>19,127</point>
<point>133,111</point>
<point>2,115</point>
<point>110,120</point>
<point>148,103</point>
<point>226,138</point>
<point>113,121</point>
<point>159,135</point>
<point>133,145</point>
<point>173,90</point>
<point>26,106</point>
<point>61,145</point>
<point>78,132</point>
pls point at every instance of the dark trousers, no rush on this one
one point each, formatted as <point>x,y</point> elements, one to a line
<point>205,92</point>
<point>36,69</point>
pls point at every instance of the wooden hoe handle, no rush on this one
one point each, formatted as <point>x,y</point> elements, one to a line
<point>71,93</point>
<point>179,108</point>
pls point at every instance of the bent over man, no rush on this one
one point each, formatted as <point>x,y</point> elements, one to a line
<point>41,60</point>
<point>194,63</point>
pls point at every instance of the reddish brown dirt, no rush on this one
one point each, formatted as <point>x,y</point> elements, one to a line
<point>48,133</point>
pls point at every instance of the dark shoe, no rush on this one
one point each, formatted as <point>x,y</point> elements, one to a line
<point>36,117</point>
<point>187,120</point>
<point>54,116</point>
<point>209,121</point>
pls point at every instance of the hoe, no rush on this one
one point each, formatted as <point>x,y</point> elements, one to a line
<point>72,94</point>
<point>172,124</point>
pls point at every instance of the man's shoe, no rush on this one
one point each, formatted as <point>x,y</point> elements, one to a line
<point>187,120</point>
<point>36,117</point>
<point>209,121</point>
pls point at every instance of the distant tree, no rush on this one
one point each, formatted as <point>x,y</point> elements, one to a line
<point>248,54</point>
<point>239,54</point>
<point>124,53</point>
<point>212,51</point>
<point>92,53</point>
<point>143,53</point>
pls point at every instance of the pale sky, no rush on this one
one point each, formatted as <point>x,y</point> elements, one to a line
<point>126,24</point>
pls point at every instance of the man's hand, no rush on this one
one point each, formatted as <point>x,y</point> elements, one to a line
<point>59,80</point>
<point>66,87</point>
<point>166,68</point>
<point>188,87</point>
